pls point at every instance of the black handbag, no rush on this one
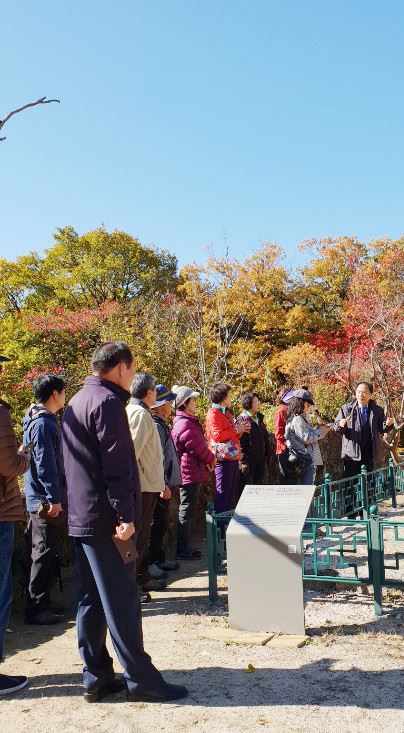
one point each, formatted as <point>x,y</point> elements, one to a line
<point>299,461</point>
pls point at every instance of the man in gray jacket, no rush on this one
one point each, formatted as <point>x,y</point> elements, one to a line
<point>149,457</point>
<point>361,423</point>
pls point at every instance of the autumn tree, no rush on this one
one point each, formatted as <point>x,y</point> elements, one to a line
<point>236,316</point>
<point>319,291</point>
<point>55,308</point>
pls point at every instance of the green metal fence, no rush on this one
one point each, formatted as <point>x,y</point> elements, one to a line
<point>351,496</point>
<point>335,549</point>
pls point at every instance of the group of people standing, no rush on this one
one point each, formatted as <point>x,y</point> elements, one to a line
<point>112,465</point>
<point>360,423</point>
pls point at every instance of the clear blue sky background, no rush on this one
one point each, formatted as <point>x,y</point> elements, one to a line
<point>189,123</point>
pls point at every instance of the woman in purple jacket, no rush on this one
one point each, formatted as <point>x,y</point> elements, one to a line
<point>196,460</point>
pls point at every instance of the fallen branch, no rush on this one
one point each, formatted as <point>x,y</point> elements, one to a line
<point>42,100</point>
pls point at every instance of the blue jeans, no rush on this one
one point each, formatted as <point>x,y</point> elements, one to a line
<point>308,476</point>
<point>307,479</point>
<point>6,590</point>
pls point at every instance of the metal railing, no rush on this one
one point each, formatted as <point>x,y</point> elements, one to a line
<point>335,549</point>
<point>354,495</point>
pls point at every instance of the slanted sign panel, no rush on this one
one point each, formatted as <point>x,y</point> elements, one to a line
<point>264,559</point>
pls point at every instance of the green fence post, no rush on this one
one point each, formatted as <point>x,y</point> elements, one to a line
<point>376,558</point>
<point>211,539</point>
<point>392,485</point>
<point>327,495</point>
<point>364,491</point>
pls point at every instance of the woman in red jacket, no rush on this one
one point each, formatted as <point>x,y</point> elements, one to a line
<point>286,473</point>
<point>223,435</point>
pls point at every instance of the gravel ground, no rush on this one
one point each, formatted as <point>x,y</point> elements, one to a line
<point>348,677</point>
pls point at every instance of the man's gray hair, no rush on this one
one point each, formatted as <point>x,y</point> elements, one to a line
<point>141,385</point>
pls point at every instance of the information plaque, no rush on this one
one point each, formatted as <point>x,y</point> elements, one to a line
<point>264,564</point>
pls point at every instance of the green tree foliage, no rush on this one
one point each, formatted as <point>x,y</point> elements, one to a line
<point>102,266</point>
<point>86,271</point>
<point>54,309</point>
<point>251,322</point>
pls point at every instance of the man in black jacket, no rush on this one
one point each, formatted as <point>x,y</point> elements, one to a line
<point>254,444</point>
<point>361,423</point>
<point>161,411</point>
<point>104,501</point>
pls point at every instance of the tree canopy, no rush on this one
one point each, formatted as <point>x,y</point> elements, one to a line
<point>253,323</point>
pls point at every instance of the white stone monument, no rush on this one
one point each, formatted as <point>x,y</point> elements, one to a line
<point>264,563</point>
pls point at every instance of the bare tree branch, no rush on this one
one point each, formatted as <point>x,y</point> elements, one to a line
<point>42,100</point>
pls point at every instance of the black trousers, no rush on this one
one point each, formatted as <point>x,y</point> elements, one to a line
<point>142,544</point>
<point>158,531</point>
<point>189,495</point>
<point>109,599</point>
<point>352,468</point>
<point>255,476</point>
<point>45,548</point>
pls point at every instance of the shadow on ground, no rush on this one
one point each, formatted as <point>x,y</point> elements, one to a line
<point>21,636</point>
<point>317,683</point>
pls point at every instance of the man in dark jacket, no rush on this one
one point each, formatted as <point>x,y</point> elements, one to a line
<point>161,411</point>
<point>104,501</point>
<point>44,484</point>
<point>254,444</point>
<point>361,423</point>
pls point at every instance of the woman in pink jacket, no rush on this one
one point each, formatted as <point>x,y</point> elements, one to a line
<point>196,462</point>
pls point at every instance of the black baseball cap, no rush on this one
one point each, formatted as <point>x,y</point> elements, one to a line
<point>305,395</point>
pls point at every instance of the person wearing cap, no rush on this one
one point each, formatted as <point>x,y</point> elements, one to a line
<point>149,457</point>
<point>254,444</point>
<point>196,461</point>
<point>223,435</point>
<point>13,463</point>
<point>301,437</point>
<point>161,411</point>
<point>285,470</point>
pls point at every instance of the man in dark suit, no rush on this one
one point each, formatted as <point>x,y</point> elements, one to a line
<point>104,500</point>
<point>361,423</point>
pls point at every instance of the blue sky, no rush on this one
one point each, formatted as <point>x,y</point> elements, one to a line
<point>190,124</point>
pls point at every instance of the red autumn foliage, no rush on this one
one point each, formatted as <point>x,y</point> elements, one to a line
<point>69,321</point>
<point>34,374</point>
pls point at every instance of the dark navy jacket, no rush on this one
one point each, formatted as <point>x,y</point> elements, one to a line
<point>352,439</point>
<point>44,480</point>
<point>103,486</point>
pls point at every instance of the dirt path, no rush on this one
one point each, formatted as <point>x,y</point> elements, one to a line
<point>349,677</point>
